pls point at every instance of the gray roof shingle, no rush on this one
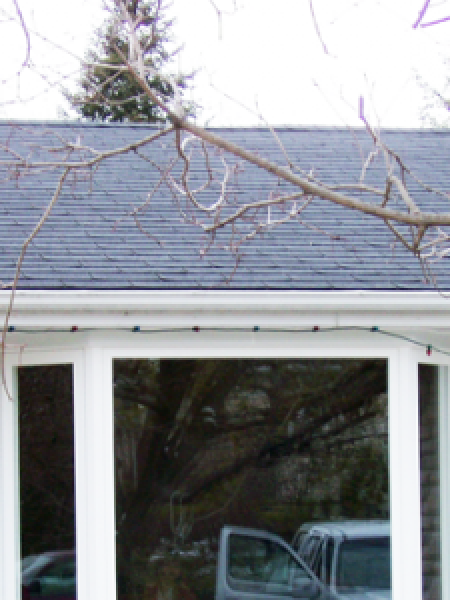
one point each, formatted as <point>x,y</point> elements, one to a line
<point>90,242</point>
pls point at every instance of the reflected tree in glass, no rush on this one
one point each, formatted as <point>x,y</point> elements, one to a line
<point>47,482</point>
<point>263,443</point>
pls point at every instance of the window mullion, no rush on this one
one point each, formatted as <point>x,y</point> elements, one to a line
<point>405,476</point>
<point>95,481</point>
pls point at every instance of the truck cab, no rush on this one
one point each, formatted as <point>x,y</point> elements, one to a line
<point>352,558</point>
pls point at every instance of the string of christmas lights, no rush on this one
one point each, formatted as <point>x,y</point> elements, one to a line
<point>429,348</point>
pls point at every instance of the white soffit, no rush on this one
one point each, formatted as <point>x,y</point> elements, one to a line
<point>109,309</point>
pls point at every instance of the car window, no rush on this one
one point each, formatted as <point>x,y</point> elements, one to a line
<point>61,569</point>
<point>59,579</point>
<point>253,560</point>
<point>364,563</point>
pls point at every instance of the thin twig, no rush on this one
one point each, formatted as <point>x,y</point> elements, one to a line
<point>316,27</point>
<point>437,22</point>
<point>26,33</point>
<point>422,12</point>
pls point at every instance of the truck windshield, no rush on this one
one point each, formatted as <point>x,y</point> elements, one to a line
<point>364,563</point>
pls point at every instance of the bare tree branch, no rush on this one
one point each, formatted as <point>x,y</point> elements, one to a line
<point>436,22</point>
<point>422,12</point>
<point>393,203</point>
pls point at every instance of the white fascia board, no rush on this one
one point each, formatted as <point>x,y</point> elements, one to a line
<point>106,309</point>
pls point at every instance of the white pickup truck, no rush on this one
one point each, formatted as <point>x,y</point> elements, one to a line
<point>256,565</point>
<point>341,561</point>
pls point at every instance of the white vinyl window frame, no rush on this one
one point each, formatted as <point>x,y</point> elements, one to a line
<point>92,360</point>
<point>9,455</point>
<point>404,461</point>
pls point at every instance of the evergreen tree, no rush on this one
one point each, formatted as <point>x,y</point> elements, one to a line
<point>114,95</point>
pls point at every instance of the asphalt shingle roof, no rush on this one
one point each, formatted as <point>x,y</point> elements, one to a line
<point>91,242</point>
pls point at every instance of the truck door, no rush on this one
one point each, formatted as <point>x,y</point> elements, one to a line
<point>255,565</point>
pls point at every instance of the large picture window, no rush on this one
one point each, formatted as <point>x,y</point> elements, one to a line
<point>280,445</point>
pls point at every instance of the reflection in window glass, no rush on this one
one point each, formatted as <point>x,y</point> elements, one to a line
<point>364,564</point>
<point>317,564</point>
<point>262,561</point>
<point>329,555</point>
<point>430,491</point>
<point>268,444</point>
<point>47,485</point>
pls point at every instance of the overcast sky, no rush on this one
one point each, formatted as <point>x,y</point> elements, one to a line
<point>261,56</point>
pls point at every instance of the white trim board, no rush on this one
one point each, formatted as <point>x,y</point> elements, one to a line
<point>157,308</point>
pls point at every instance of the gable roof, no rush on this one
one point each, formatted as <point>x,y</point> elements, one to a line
<point>90,241</point>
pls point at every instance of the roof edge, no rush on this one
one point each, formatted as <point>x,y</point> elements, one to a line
<point>277,127</point>
<point>228,308</point>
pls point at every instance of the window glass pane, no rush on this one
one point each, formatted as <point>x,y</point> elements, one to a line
<point>430,488</point>
<point>267,444</point>
<point>47,484</point>
<point>258,560</point>
<point>262,561</point>
<point>364,563</point>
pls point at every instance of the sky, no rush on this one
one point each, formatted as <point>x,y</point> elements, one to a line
<point>259,61</point>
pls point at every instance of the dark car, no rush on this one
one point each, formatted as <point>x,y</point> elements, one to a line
<point>353,558</point>
<point>49,576</point>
